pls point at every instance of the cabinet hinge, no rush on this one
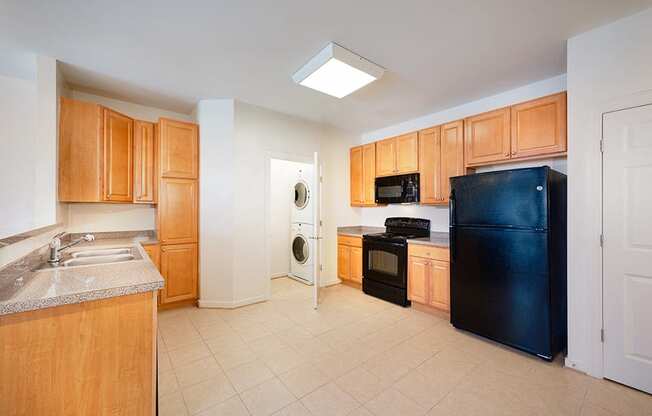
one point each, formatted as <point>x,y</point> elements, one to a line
<point>602,335</point>
<point>601,145</point>
<point>601,240</point>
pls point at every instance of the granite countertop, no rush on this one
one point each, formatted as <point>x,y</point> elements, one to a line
<point>438,239</point>
<point>23,288</point>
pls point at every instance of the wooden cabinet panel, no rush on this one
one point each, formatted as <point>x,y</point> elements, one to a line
<point>430,166</point>
<point>440,284</point>
<point>356,176</point>
<point>179,269</point>
<point>118,157</point>
<point>418,270</point>
<point>80,151</point>
<point>386,157</point>
<point>349,240</point>
<point>154,253</point>
<point>145,173</point>
<point>452,156</point>
<point>407,153</point>
<point>369,174</point>
<point>428,251</point>
<point>343,262</point>
<point>487,137</point>
<point>177,211</point>
<point>179,155</point>
<point>355,260</point>
<point>539,126</point>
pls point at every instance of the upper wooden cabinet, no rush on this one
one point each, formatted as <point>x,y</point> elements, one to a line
<point>179,270</point>
<point>363,175</point>
<point>117,180</point>
<point>430,172</point>
<point>80,151</point>
<point>452,156</point>
<point>539,127</point>
<point>145,173</point>
<point>177,211</point>
<point>397,155</point>
<point>487,137</point>
<point>179,144</point>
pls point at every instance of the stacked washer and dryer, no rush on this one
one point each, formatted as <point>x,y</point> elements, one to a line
<point>302,222</point>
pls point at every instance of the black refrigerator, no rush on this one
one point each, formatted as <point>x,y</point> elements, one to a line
<point>508,257</point>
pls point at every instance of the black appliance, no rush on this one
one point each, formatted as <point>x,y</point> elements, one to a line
<point>508,257</point>
<point>399,189</point>
<point>384,258</point>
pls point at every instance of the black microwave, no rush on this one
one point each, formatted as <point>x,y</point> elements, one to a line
<point>399,189</point>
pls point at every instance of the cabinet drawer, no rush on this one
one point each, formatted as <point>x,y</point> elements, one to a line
<point>349,241</point>
<point>430,252</point>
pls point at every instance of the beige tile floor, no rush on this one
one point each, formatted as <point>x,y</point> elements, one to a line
<point>359,356</point>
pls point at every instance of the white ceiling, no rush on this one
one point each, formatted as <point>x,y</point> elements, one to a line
<point>438,53</point>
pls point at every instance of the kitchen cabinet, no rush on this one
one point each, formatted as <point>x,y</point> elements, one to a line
<point>177,211</point>
<point>154,253</point>
<point>97,357</point>
<point>349,258</point>
<point>363,175</point>
<point>539,127</point>
<point>145,155</point>
<point>80,151</point>
<point>430,168</point>
<point>487,137</point>
<point>117,180</point>
<point>179,149</point>
<point>179,270</point>
<point>429,276</point>
<point>452,156</point>
<point>397,155</point>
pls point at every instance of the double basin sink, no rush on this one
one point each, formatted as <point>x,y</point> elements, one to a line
<point>95,257</point>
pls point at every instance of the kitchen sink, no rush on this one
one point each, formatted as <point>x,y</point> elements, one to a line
<point>101,252</point>
<point>97,259</point>
<point>94,257</point>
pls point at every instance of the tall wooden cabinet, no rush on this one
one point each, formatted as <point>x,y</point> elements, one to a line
<point>363,174</point>
<point>178,205</point>
<point>117,180</point>
<point>397,155</point>
<point>145,163</point>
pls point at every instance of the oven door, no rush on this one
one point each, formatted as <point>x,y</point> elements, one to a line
<point>385,262</point>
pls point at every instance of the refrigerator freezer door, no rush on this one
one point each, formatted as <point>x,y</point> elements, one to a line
<point>500,286</point>
<point>512,198</point>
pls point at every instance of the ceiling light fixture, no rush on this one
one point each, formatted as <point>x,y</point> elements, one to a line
<point>337,71</point>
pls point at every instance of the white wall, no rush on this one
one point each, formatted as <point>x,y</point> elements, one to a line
<point>438,216</point>
<point>99,217</point>
<point>282,178</point>
<point>604,64</point>
<point>233,208</point>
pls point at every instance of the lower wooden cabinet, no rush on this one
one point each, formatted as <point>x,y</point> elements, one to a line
<point>429,276</point>
<point>349,258</point>
<point>154,253</point>
<point>179,269</point>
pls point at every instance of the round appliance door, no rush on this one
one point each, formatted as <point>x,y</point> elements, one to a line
<point>301,195</point>
<point>300,249</point>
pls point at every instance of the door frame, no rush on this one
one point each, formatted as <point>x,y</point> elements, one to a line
<point>594,290</point>
<point>269,155</point>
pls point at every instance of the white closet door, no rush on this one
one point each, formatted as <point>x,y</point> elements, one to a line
<point>316,206</point>
<point>627,199</point>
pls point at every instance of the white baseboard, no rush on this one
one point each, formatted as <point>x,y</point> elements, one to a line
<point>231,304</point>
<point>277,275</point>
<point>330,282</point>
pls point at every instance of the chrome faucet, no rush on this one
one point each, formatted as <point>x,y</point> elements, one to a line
<point>56,248</point>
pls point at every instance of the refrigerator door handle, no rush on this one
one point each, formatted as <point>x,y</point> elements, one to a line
<point>451,208</point>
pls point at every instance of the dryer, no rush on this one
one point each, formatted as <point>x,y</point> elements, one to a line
<point>301,252</point>
<point>303,200</point>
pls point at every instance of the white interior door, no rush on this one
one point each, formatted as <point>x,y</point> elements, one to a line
<point>316,206</point>
<point>627,252</point>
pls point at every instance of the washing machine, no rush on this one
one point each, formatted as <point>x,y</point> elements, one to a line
<point>301,252</point>
<point>302,206</point>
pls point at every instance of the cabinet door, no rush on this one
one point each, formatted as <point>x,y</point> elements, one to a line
<point>386,157</point>
<point>452,156</point>
<point>179,155</point>
<point>407,153</point>
<point>80,151</point>
<point>418,270</point>
<point>539,126</point>
<point>355,260</point>
<point>154,253</point>
<point>430,165</point>
<point>343,262</point>
<point>357,176</point>
<point>179,269</point>
<point>369,174</point>
<point>177,211</point>
<point>118,157</point>
<point>145,175</point>
<point>440,284</point>
<point>487,137</point>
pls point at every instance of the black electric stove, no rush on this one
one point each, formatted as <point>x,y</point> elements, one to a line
<point>384,258</point>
